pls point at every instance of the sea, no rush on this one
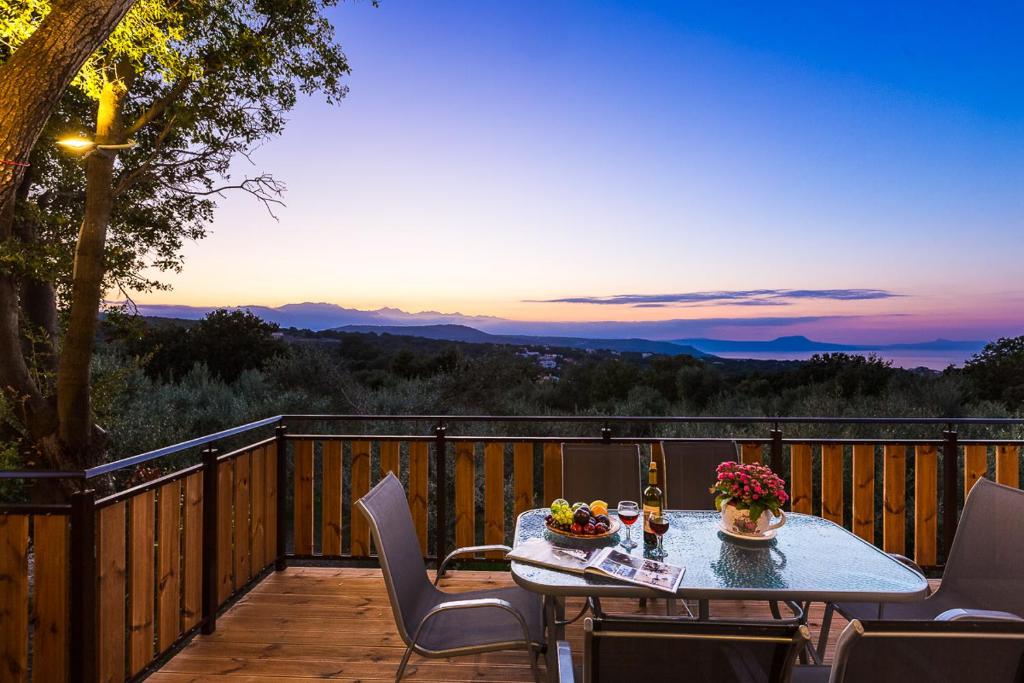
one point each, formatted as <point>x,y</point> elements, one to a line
<point>909,359</point>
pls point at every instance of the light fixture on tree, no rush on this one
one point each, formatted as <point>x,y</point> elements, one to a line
<point>78,144</point>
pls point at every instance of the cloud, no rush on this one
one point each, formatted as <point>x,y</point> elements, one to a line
<point>745,297</point>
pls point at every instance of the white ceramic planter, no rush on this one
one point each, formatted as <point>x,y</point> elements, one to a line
<point>738,522</point>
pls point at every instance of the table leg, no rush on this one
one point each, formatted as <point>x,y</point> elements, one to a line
<point>554,612</point>
<point>703,610</point>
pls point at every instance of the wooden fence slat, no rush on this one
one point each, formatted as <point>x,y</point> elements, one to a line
<point>389,459</point>
<point>192,579</point>
<point>419,470</point>
<point>1008,465</point>
<point>864,492</point>
<point>894,497</point>
<point>303,500</point>
<point>141,590</point>
<point>832,482</point>
<point>225,549</point>
<point>465,488</point>
<point>494,496</point>
<point>750,453</point>
<point>332,516</point>
<point>258,500</point>
<point>111,568</point>
<point>975,466</point>
<point>168,561</point>
<point>13,597</point>
<point>360,486</point>
<point>270,511</point>
<point>50,643</point>
<point>552,472</point>
<point>926,518</point>
<point>801,478</point>
<point>243,567</point>
<point>522,477</point>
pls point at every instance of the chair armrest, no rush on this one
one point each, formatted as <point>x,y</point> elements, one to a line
<point>474,603</point>
<point>910,564</point>
<point>467,550</point>
<point>565,672</point>
<point>960,614</point>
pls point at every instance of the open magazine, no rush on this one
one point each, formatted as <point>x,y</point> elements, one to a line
<point>610,562</point>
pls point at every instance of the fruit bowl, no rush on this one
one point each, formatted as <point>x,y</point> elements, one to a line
<point>613,526</point>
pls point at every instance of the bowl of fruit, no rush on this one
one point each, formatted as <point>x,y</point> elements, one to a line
<point>581,520</point>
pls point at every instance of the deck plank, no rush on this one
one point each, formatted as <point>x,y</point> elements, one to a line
<point>310,623</point>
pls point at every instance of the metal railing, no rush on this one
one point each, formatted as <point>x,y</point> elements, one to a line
<point>84,507</point>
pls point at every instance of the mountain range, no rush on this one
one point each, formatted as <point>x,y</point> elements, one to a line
<point>608,335</point>
<point>464,333</point>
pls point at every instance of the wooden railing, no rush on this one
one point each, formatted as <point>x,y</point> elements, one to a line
<point>104,589</point>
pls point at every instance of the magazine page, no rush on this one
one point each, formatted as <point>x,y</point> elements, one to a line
<point>541,552</point>
<point>639,570</point>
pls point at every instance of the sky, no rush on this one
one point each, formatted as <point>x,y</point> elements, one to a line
<point>855,166</point>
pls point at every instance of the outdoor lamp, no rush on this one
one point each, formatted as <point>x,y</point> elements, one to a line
<point>81,144</point>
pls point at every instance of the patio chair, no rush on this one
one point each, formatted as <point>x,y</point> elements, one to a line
<point>684,649</point>
<point>944,651</point>
<point>606,471</point>
<point>983,570</point>
<point>434,623</point>
<point>690,470</point>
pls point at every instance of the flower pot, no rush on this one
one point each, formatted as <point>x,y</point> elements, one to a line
<point>738,522</point>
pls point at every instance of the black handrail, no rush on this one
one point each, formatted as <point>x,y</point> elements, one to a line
<point>276,420</point>
<point>109,467</point>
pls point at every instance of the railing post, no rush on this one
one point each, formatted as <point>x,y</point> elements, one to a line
<point>950,462</point>
<point>84,645</point>
<point>280,432</point>
<point>606,433</point>
<point>210,549</point>
<point>441,484</point>
<point>775,454</point>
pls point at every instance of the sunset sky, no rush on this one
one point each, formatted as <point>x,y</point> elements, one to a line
<point>538,160</point>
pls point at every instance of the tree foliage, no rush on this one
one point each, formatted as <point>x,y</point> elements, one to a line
<point>997,371</point>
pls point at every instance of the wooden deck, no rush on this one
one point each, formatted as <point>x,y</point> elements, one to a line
<point>316,623</point>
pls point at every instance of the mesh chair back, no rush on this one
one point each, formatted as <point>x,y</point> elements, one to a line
<point>985,562</point>
<point>398,547</point>
<point>606,471</point>
<point>690,470</point>
<point>669,650</point>
<point>933,651</point>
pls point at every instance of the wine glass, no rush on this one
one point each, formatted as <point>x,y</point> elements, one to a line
<point>659,525</point>
<point>629,511</point>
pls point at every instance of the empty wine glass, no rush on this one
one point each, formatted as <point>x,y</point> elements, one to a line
<point>629,511</point>
<point>659,525</point>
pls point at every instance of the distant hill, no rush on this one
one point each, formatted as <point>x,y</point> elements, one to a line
<point>798,344</point>
<point>317,316</point>
<point>464,333</point>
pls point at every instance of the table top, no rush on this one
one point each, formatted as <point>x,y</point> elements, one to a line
<point>809,559</point>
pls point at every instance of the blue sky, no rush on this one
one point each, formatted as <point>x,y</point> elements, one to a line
<point>502,158</point>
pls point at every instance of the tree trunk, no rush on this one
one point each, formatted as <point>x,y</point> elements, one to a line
<point>38,298</point>
<point>74,410</point>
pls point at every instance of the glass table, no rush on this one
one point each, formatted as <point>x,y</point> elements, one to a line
<point>810,560</point>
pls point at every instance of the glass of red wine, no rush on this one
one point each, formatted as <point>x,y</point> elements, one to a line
<point>659,525</point>
<point>629,512</point>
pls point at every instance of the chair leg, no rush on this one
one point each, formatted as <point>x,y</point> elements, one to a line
<point>826,624</point>
<point>774,607</point>
<point>404,662</point>
<point>530,652</point>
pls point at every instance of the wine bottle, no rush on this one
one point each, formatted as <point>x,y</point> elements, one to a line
<point>652,503</point>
